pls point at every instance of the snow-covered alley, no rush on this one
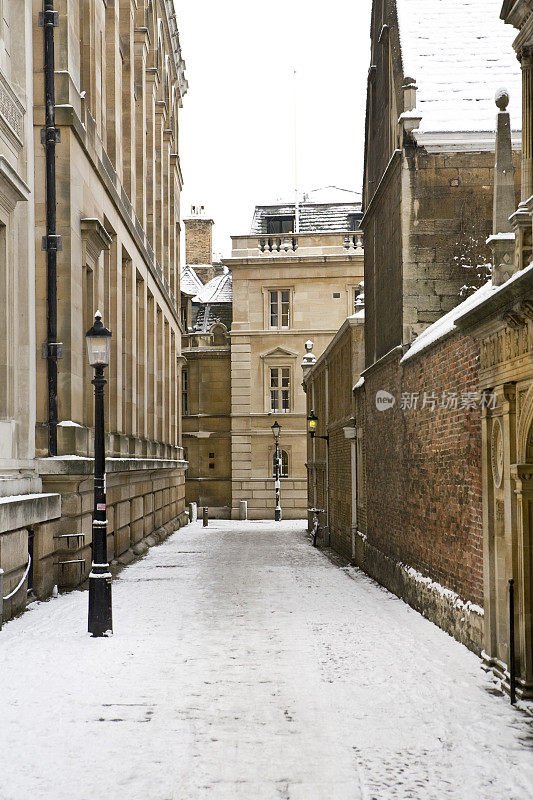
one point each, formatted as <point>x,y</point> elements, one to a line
<point>245,664</point>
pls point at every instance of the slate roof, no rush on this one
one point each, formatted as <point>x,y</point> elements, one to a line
<point>460,53</point>
<point>320,217</point>
<point>204,316</point>
<point>190,283</point>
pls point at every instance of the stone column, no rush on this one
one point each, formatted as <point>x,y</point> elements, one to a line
<point>152,83</point>
<point>141,54</point>
<point>526,61</point>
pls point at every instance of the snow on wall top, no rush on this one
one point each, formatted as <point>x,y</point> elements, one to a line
<point>459,53</point>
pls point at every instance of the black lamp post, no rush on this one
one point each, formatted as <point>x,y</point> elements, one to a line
<point>312,424</point>
<point>276,429</point>
<point>100,612</point>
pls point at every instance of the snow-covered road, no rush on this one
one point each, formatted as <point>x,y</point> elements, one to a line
<point>246,665</point>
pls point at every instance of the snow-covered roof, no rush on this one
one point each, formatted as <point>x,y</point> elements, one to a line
<point>320,217</point>
<point>190,283</point>
<point>459,52</point>
<point>217,290</point>
<point>205,315</point>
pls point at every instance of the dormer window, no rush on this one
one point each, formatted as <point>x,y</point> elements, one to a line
<point>279,225</point>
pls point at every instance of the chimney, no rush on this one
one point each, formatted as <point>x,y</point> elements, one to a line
<point>502,241</point>
<point>199,243</point>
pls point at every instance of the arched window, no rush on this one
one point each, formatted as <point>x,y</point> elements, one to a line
<point>284,464</point>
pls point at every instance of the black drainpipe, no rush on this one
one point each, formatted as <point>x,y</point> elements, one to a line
<point>52,350</point>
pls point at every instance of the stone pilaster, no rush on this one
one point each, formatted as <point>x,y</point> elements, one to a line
<point>526,61</point>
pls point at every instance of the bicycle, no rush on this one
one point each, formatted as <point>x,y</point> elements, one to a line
<point>315,529</point>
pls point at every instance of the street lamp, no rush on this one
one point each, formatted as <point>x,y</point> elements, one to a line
<point>312,422</point>
<point>312,425</point>
<point>276,429</point>
<point>100,612</point>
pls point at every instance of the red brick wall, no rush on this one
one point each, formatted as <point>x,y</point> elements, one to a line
<point>423,468</point>
<point>340,481</point>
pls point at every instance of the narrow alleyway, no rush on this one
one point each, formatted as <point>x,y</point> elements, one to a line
<point>246,665</point>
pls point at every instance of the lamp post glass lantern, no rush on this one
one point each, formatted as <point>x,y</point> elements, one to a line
<point>100,610</point>
<point>312,422</point>
<point>276,430</point>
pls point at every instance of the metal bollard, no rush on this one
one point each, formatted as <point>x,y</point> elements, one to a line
<point>512,673</point>
<point>205,516</point>
<point>1,595</point>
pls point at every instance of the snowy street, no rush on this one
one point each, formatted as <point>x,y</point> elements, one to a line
<point>245,664</point>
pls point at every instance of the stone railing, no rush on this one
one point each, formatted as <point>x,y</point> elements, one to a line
<point>298,244</point>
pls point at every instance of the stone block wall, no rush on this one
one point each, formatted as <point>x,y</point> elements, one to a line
<point>142,496</point>
<point>423,482</point>
<point>447,215</point>
<point>261,497</point>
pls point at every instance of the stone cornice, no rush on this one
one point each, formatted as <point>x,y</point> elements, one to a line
<point>12,187</point>
<point>78,465</point>
<point>142,36</point>
<point>94,236</point>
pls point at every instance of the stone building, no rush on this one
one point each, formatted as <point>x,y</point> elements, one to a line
<point>206,398</point>
<point>443,411</point>
<point>296,277</point>
<point>23,503</point>
<point>428,161</point>
<point>119,83</point>
<point>334,457</point>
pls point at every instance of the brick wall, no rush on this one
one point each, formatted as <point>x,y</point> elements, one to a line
<point>423,480</point>
<point>329,394</point>
<point>199,242</point>
<point>340,479</point>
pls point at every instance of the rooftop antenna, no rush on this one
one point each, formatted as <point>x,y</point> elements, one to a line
<point>296,197</point>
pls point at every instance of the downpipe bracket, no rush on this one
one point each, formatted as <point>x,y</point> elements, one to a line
<point>47,17</point>
<point>55,135</point>
<point>52,350</point>
<point>52,242</point>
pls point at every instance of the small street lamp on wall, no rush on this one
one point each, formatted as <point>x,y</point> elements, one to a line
<point>100,610</point>
<point>312,425</point>
<point>312,421</point>
<point>276,430</point>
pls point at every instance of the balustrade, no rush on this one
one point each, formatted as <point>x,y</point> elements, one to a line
<point>301,244</point>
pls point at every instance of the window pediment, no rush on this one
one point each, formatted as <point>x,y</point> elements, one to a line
<point>279,352</point>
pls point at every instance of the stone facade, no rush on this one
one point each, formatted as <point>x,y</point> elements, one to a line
<point>207,424</point>
<point>23,503</point>
<point>427,199</point>
<point>443,412</point>
<point>334,464</point>
<point>119,84</point>
<point>313,278</point>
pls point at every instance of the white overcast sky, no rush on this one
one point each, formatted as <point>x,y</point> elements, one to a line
<point>237,121</point>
